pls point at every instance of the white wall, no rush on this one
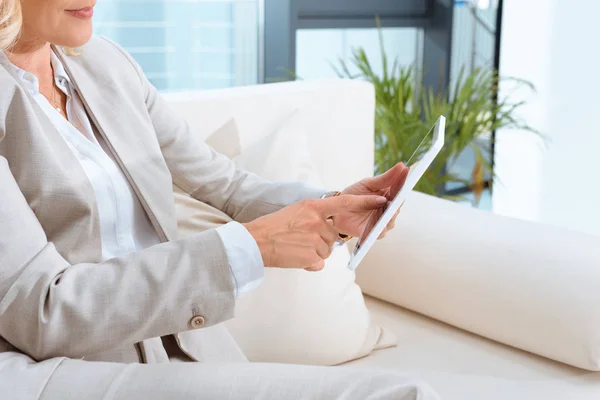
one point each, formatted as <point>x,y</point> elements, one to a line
<point>551,43</point>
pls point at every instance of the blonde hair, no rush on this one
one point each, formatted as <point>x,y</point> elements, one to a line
<point>10,22</point>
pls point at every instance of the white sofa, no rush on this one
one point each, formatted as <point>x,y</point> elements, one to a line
<point>458,364</point>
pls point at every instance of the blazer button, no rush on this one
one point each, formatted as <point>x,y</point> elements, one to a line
<point>197,322</point>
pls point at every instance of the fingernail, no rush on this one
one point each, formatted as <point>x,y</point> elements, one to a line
<point>381,201</point>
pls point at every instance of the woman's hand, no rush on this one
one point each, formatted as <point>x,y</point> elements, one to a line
<point>302,235</point>
<point>388,184</point>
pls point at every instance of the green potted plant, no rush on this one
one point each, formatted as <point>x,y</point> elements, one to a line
<point>405,112</point>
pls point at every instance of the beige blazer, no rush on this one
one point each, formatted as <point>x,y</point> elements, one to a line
<point>57,298</point>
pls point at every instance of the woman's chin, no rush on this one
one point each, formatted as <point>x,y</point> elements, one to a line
<point>75,40</point>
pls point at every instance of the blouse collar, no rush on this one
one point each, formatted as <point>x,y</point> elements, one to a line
<point>31,82</point>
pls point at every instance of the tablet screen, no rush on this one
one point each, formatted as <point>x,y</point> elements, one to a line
<point>413,161</point>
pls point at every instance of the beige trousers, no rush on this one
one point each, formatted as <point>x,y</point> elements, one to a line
<point>79,380</point>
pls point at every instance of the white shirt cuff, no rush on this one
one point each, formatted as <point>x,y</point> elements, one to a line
<point>244,257</point>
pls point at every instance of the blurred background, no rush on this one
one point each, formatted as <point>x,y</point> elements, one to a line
<point>516,79</point>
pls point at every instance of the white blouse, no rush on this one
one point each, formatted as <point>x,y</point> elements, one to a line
<point>124,224</point>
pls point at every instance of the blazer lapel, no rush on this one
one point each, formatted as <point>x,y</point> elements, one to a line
<point>108,112</point>
<point>58,143</point>
<point>67,172</point>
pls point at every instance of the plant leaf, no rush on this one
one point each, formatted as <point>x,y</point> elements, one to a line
<point>406,110</point>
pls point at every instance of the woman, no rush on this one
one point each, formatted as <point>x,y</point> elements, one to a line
<point>96,292</point>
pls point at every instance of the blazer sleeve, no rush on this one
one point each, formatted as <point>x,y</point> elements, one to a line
<point>209,176</point>
<point>49,308</point>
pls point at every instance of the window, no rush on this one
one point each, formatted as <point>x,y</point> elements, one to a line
<point>318,49</point>
<point>474,46</point>
<point>186,44</point>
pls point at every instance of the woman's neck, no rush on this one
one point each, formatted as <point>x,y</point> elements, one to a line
<point>32,56</point>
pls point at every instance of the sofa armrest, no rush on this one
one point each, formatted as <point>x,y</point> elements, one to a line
<point>525,284</point>
<point>339,115</point>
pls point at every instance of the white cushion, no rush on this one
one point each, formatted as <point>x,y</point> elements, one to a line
<point>463,366</point>
<point>294,316</point>
<point>339,116</point>
<point>528,285</point>
<point>226,139</point>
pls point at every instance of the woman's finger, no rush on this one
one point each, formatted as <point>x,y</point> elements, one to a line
<point>328,233</point>
<point>386,179</point>
<point>316,267</point>
<point>324,249</point>
<point>392,224</point>
<point>399,183</point>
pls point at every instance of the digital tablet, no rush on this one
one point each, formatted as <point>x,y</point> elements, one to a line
<point>424,155</point>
